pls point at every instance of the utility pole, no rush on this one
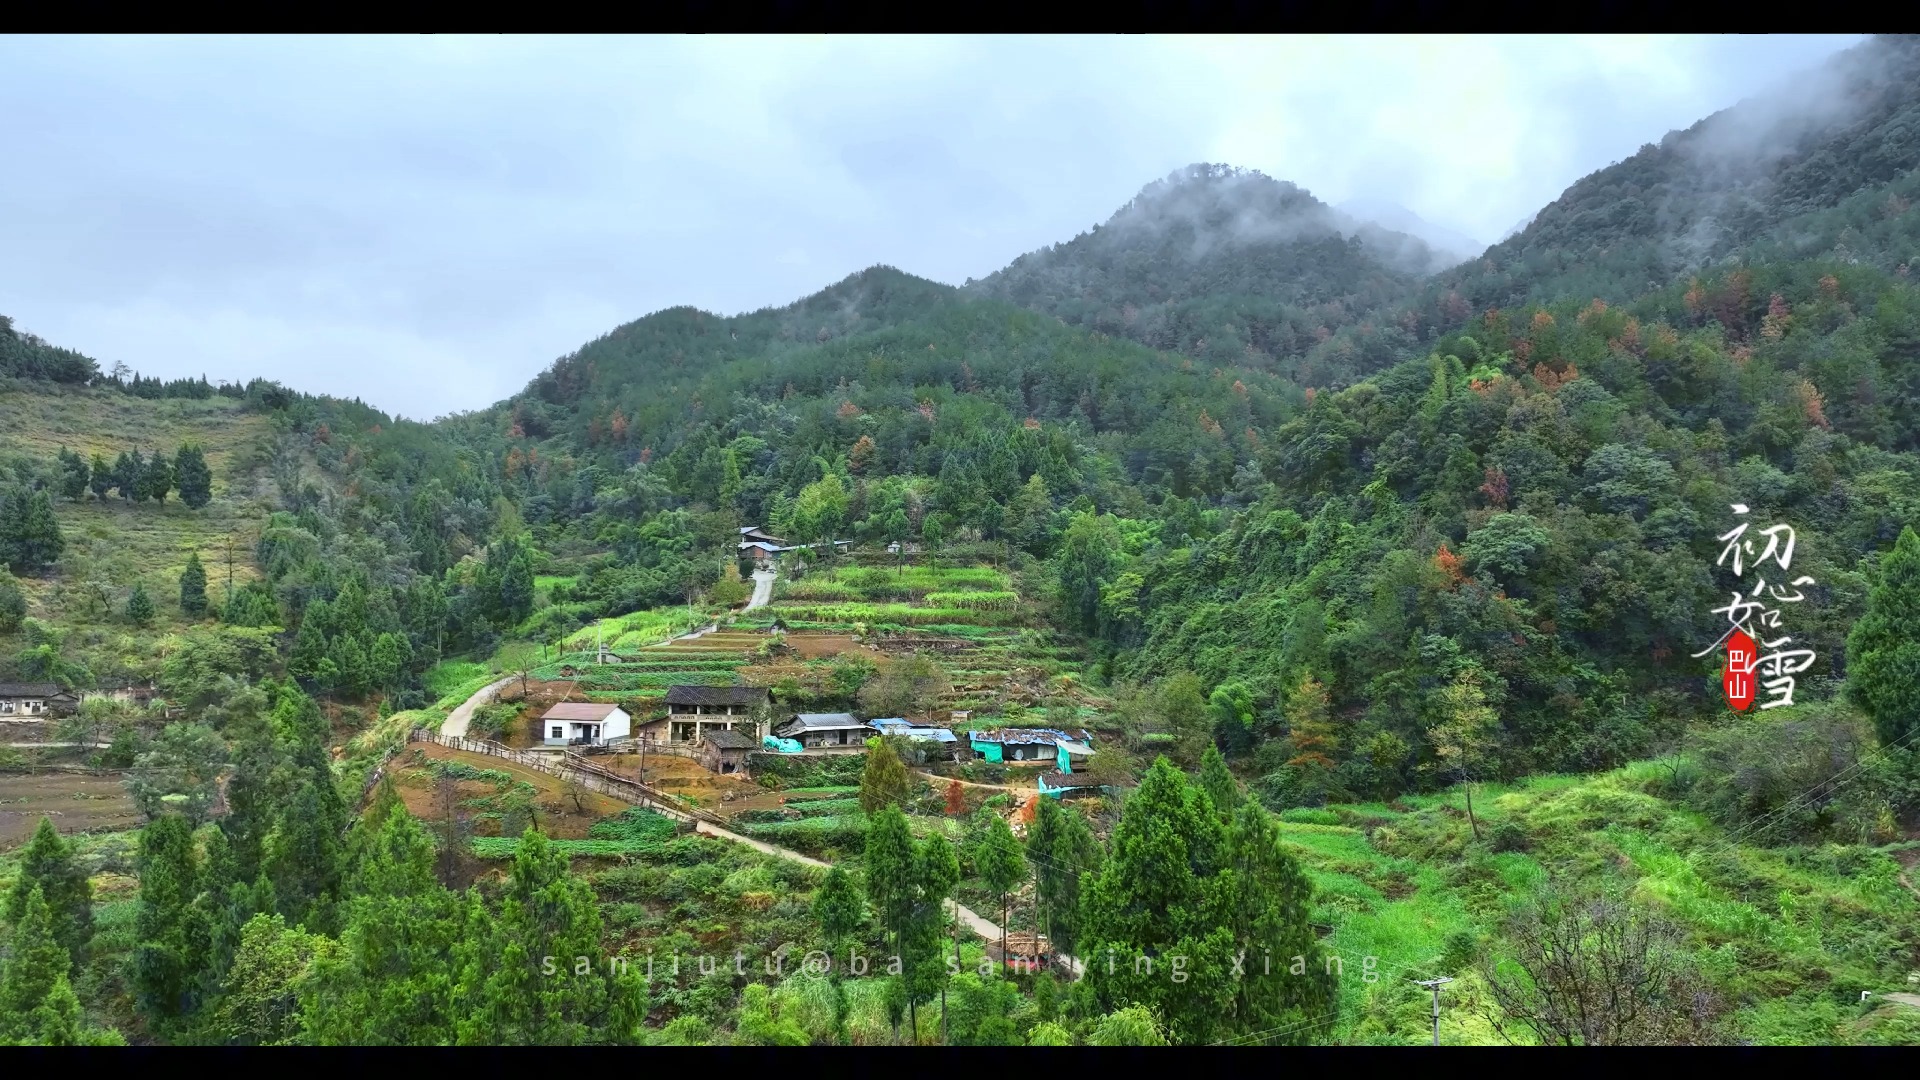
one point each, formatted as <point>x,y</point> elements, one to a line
<point>1434,985</point>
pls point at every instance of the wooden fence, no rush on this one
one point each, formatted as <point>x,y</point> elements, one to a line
<point>576,768</point>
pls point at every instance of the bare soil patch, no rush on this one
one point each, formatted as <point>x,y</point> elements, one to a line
<point>74,801</point>
<point>681,776</point>
<point>556,812</point>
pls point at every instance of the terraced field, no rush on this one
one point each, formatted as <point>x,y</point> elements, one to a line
<point>983,632</point>
<point>639,680</point>
<point>970,618</point>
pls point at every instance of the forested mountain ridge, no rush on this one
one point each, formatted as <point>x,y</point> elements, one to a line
<point>1225,265</point>
<point>1368,580</point>
<point>1777,175</point>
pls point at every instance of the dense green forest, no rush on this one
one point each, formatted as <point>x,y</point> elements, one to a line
<point>1386,591</point>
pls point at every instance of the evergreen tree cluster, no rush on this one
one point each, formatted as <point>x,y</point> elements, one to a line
<point>136,478</point>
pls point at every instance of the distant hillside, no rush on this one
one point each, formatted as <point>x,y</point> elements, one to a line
<point>24,356</point>
<point>1767,173</point>
<point>1225,265</point>
<point>1449,248</point>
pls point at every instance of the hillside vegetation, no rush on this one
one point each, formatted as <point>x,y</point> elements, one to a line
<point>1389,595</point>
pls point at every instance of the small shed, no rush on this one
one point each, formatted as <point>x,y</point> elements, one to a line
<point>936,741</point>
<point>584,723</point>
<point>725,751</point>
<point>825,730</point>
<point>1071,756</point>
<point>1055,784</point>
<point>1024,950</point>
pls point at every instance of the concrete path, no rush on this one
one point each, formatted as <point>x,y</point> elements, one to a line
<point>762,589</point>
<point>984,928</point>
<point>941,782</point>
<point>456,722</point>
<point>972,921</point>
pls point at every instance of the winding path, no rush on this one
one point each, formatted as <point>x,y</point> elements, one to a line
<point>762,589</point>
<point>456,722</point>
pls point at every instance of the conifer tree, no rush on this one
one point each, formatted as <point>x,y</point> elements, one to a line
<point>30,535</point>
<point>47,864</point>
<point>73,475</point>
<point>191,475</point>
<point>128,473</point>
<point>99,476</point>
<point>1883,651</point>
<point>156,480</point>
<point>139,606</point>
<point>37,1003</point>
<point>1218,782</point>
<point>13,602</point>
<point>1001,867</point>
<point>193,587</point>
<point>171,938</point>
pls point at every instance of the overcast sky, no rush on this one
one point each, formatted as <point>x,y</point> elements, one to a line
<point>425,223</point>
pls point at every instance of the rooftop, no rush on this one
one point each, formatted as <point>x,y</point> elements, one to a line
<point>716,695</point>
<point>1054,778</point>
<point>29,689</point>
<point>897,726</point>
<point>727,739</point>
<point>580,710</point>
<point>1032,737</point>
<point>823,721</point>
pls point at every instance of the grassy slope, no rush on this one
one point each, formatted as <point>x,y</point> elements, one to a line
<point>1795,934</point>
<point>120,542</point>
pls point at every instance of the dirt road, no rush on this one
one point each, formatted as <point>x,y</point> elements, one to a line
<point>457,720</point>
<point>762,589</point>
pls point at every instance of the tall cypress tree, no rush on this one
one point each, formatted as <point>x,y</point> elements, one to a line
<point>1268,903</point>
<point>393,980</point>
<point>99,476</point>
<point>191,475</point>
<point>1154,900</point>
<point>37,1003</point>
<point>1001,866</point>
<point>128,470</point>
<point>29,532</point>
<point>170,935</point>
<point>47,864</point>
<point>73,475</point>
<point>1883,651</point>
<point>157,479</point>
<point>13,602</point>
<point>193,587</point>
<point>1218,782</point>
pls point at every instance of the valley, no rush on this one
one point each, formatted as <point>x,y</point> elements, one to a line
<point>1255,595</point>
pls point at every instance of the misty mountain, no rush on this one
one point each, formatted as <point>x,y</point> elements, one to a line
<point>1823,164</point>
<point>1517,228</point>
<point>1223,264</point>
<point>1450,248</point>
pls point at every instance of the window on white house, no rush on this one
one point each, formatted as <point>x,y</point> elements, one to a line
<point>559,733</point>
